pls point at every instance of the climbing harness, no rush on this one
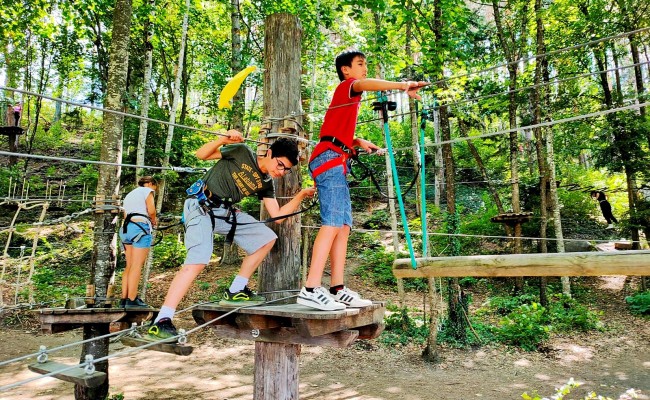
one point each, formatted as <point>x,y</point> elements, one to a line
<point>128,220</point>
<point>208,201</point>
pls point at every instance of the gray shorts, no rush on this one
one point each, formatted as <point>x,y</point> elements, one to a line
<point>199,236</point>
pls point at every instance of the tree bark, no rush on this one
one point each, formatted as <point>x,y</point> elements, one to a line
<point>283,33</point>
<point>108,185</point>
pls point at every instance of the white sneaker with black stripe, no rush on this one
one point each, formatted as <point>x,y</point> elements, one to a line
<point>319,299</point>
<point>351,298</point>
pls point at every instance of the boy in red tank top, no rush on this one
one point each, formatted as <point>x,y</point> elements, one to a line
<point>329,166</point>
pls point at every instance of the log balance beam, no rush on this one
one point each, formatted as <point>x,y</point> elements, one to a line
<point>632,262</point>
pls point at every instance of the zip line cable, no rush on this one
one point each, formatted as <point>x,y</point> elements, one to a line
<point>540,125</point>
<point>488,96</point>
<point>81,161</point>
<point>550,53</point>
<point>124,114</point>
<point>467,235</point>
<point>121,113</point>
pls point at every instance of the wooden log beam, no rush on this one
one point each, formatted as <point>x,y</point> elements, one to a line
<point>76,375</point>
<point>547,264</point>
<point>284,335</point>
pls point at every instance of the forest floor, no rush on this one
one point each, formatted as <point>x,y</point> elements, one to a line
<point>608,362</point>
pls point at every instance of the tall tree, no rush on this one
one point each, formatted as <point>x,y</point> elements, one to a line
<point>108,185</point>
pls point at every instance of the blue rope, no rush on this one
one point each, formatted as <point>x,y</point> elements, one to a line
<point>389,147</point>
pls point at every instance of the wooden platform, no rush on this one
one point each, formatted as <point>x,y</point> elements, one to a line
<point>162,346</point>
<point>54,320</point>
<point>78,376</point>
<point>295,324</point>
<point>11,130</point>
<point>632,262</point>
<point>512,218</point>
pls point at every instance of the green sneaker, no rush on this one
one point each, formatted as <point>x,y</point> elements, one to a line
<point>244,297</point>
<point>162,330</point>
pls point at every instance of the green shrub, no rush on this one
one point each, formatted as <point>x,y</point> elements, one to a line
<point>524,327</point>
<point>566,314</point>
<point>402,329</point>
<point>377,266</point>
<point>169,253</point>
<point>504,305</point>
<point>639,303</point>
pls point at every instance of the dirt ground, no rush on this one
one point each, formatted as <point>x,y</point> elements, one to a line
<point>608,362</point>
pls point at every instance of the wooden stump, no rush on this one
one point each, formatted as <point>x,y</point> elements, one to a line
<point>276,371</point>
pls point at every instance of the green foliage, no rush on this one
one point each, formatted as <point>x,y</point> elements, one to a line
<point>53,284</point>
<point>565,389</point>
<point>524,327</point>
<point>566,314</point>
<point>526,324</point>
<point>377,267</point>
<point>639,303</point>
<point>169,253</point>
<point>402,329</point>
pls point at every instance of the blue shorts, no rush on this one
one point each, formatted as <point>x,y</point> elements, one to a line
<point>136,235</point>
<point>199,235</point>
<point>333,191</point>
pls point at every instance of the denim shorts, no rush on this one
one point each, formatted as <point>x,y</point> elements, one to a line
<point>136,235</point>
<point>333,191</point>
<point>199,236</point>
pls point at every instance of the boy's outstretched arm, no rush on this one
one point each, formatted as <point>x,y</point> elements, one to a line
<point>368,85</point>
<point>210,150</point>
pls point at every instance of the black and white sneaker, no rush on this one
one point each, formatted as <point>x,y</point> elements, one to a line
<point>351,298</point>
<point>319,299</point>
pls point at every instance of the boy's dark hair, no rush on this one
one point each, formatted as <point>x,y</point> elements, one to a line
<point>285,147</point>
<point>345,60</point>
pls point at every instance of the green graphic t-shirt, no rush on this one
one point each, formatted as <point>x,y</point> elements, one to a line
<point>236,175</point>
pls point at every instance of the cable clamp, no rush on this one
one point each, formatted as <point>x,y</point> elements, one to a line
<point>42,354</point>
<point>90,364</point>
<point>182,337</point>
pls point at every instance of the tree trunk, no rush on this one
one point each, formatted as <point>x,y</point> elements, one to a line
<point>541,64</point>
<point>146,91</point>
<point>172,111</point>
<point>237,120</point>
<point>512,46</point>
<point>230,254</point>
<point>283,33</point>
<point>108,185</point>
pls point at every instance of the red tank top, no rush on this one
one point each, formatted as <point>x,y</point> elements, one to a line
<point>340,119</point>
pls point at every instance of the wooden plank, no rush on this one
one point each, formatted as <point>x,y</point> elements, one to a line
<point>371,331</point>
<point>76,375</point>
<point>260,322</point>
<point>165,347</point>
<point>57,320</point>
<point>58,328</point>
<point>290,311</point>
<point>551,264</point>
<point>340,339</point>
<point>313,327</point>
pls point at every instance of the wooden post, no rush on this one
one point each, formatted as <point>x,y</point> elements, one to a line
<point>281,270</point>
<point>276,371</point>
<point>276,364</point>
